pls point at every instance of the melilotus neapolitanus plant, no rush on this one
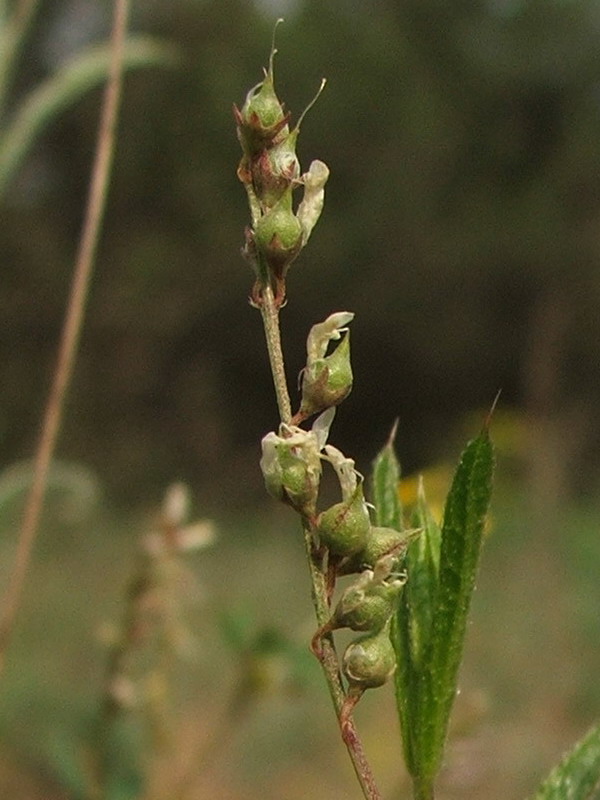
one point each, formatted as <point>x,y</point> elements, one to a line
<point>410,599</point>
<point>340,540</point>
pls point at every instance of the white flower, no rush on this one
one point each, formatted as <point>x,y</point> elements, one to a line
<point>313,199</point>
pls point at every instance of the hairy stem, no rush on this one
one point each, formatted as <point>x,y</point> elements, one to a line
<point>71,330</point>
<point>270,317</point>
<point>329,660</point>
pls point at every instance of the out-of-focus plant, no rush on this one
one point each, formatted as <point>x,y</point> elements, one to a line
<point>415,578</point>
<point>24,118</point>
<point>21,121</point>
<point>135,720</point>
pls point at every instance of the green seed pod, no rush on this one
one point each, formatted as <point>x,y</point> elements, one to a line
<point>326,382</point>
<point>370,661</point>
<point>278,236</point>
<point>262,121</point>
<point>344,527</point>
<point>368,604</point>
<point>380,542</point>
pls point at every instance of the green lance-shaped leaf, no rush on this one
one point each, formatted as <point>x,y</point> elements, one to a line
<point>412,629</point>
<point>44,103</point>
<point>384,484</point>
<point>577,777</point>
<point>423,565</point>
<point>426,685</point>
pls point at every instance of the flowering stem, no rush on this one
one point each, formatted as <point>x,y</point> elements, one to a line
<point>329,660</point>
<point>270,317</point>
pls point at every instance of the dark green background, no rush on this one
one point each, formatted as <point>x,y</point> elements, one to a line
<point>461,225</point>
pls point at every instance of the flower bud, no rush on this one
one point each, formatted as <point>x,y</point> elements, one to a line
<point>344,527</point>
<point>370,661</point>
<point>368,604</point>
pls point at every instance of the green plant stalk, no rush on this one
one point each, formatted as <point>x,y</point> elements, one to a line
<point>329,661</point>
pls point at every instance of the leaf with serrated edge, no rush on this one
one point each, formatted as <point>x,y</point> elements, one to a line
<point>462,532</point>
<point>426,689</point>
<point>577,776</point>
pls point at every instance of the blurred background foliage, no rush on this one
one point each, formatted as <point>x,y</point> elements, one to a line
<point>462,225</point>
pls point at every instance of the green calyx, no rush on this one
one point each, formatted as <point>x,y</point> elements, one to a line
<point>344,527</point>
<point>370,661</point>
<point>291,467</point>
<point>300,483</point>
<point>291,463</point>
<point>276,170</point>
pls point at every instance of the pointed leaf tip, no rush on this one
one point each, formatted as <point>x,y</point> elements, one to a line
<point>488,419</point>
<point>392,437</point>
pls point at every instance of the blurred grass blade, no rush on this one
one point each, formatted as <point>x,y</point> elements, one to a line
<point>577,777</point>
<point>44,103</point>
<point>385,479</point>
<point>430,628</point>
<point>123,743</point>
<point>15,22</point>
